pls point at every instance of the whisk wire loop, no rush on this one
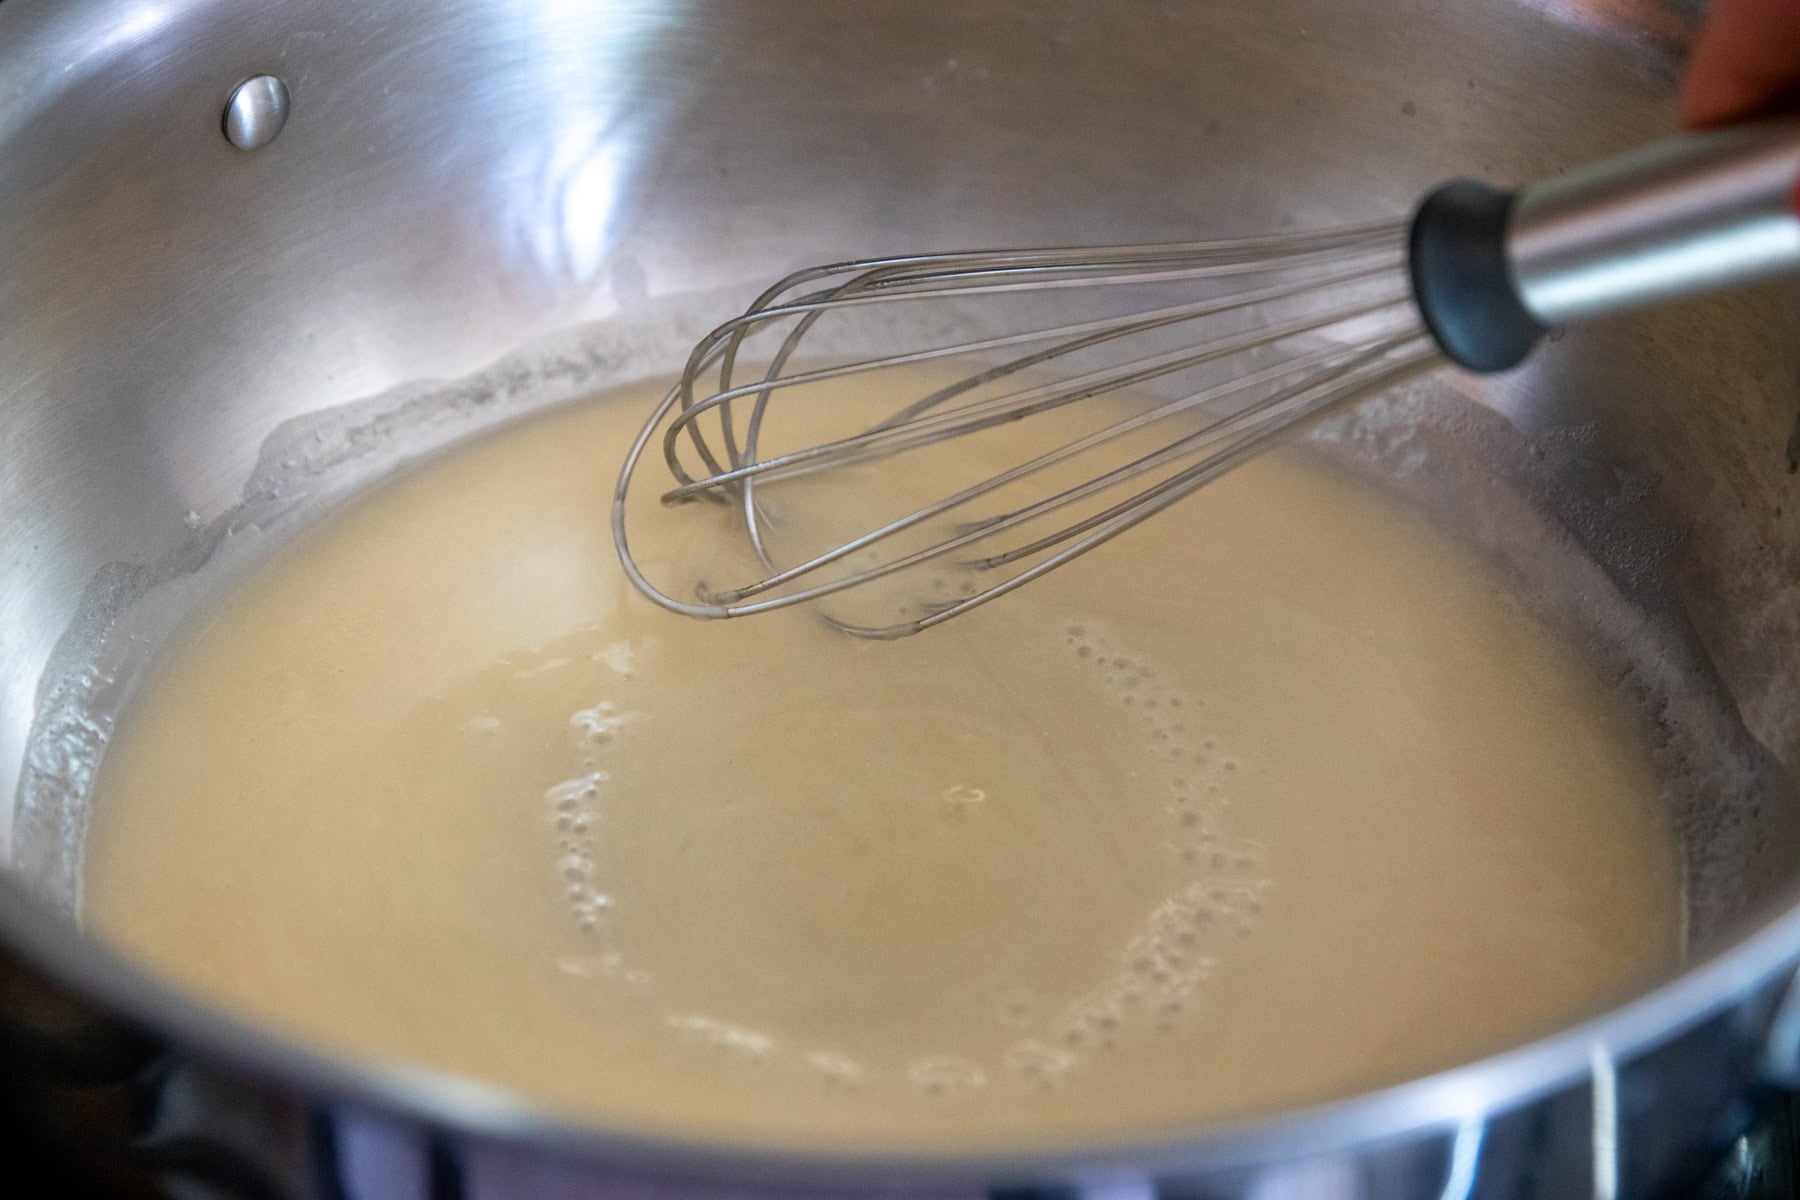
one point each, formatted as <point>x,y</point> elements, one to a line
<point>1274,332</point>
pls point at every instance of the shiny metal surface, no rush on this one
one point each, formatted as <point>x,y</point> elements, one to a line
<point>256,112</point>
<point>1673,220</point>
<point>170,300</point>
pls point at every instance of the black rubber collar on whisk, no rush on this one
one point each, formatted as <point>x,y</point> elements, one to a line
<point>1456,254</point>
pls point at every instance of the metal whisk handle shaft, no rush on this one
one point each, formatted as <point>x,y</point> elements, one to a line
<point>1678,218</point>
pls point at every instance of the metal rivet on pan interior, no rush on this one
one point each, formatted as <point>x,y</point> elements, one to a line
<point>257,110</point>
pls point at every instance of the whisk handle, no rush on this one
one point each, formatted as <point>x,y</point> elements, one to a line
<point>1674,219</point>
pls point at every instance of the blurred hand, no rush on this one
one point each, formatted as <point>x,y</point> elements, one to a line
<point>1746,62</point>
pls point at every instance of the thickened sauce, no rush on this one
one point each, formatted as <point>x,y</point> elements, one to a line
<point>1279,797</point>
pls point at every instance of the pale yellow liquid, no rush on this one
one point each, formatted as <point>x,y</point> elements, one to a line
<point>1279,797</point>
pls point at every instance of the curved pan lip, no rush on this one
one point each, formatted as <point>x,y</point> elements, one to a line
<point>1436,1103</point>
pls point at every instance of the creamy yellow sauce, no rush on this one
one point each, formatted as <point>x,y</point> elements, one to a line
<point>1276,798</point>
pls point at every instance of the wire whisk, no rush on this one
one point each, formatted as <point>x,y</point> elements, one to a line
<point>1091,388</point>
<point>1297,326</point>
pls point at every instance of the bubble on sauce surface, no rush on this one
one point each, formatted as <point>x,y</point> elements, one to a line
<point>838,1069</point>
<point>743,1044</point>
<point>569,794</point>
<point>574,815</point>
<point>962,799</point>
<point>1165,969</point>
<point>598,725</point>
<point>620,656</point>
<point>1039,1064</point>
<point>946,1075</point>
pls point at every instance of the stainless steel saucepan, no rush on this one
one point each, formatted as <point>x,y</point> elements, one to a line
<point>222,221</point>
